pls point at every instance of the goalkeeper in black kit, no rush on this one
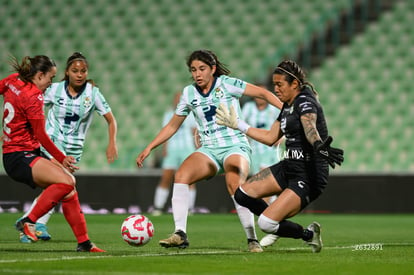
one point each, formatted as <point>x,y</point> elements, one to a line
<point>302,175</point>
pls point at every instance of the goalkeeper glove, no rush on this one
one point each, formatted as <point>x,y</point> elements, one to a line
<point>331,154</point>
<point>229,119</point>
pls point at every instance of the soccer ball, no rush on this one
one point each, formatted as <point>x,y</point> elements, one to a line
<point>137,230</point>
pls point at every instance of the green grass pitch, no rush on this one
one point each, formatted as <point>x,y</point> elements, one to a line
<point>353,244</point>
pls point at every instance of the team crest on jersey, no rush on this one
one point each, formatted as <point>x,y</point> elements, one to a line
<point>218,93</point>
<point>87,102</point>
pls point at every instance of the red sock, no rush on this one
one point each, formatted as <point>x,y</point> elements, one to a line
<point>48,199</point>
<point>75,217</point>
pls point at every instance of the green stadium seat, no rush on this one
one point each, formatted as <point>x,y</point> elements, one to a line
<point>137,53</point>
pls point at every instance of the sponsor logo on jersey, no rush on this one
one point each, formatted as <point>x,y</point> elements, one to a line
<point>28,155</point>
<point>195,102</point>
<point>301,184</point>
<point>305,106</point>
<point>209,132</point>
<point>283,125</point>
<point>238,82</point>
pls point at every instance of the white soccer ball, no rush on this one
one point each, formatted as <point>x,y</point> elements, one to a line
<point>137,230</point>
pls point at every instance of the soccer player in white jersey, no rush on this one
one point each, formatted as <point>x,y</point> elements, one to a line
<point>175,151</point>
<point>72,103</point>
<point>222,149</point>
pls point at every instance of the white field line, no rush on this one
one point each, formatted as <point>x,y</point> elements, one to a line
<point>187,252</point>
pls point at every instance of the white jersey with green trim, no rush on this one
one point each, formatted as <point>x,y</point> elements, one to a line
<point>260,119</point>
<point>69,118</point>
<point>225,90</point>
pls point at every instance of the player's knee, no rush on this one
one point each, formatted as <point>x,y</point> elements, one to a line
<point>66,189</point>
<point>181,176</point>
<point>70,195</point>
<point>267,225</point>
<point>69,178</point>
<point>72,180</point>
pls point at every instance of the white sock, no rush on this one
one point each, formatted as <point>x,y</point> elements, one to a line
<point>45,218</point>
<point>160,197</point>
<point>180,200</point>
<point>30,209</point>
<point>268,225</point>
<point>193,194</point>
<point>247,220</point>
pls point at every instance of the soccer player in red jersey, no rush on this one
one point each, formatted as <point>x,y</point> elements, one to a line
<point>23,134</point>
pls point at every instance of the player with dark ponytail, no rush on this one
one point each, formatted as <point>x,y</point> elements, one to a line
<point>23,134</point>
<point>302,175</point>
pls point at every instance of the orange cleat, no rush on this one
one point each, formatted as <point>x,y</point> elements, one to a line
<point>28,229</point>
<point>96,249</point>
<point>88,247</point>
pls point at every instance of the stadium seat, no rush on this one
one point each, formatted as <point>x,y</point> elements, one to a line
<point>375,71</point>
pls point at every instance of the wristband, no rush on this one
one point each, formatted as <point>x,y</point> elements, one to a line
<point>243,126</point>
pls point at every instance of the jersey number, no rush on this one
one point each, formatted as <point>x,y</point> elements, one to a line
<point>9,117</point>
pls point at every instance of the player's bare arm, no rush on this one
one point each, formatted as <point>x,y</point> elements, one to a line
<point>309,126</point>
<point>268,137</point>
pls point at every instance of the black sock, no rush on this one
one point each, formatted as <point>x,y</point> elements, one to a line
<point>256,206</point>
<point>290,229</point>
<point>87,244</point>
<point>26,219</point>
<point>307,235</point>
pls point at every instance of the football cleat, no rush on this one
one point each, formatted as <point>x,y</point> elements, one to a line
<point>41,232</point>
<point>88,247</point>
<point>23,238</point>
<point>254,246</point>
<point>177,239</point>
<point>268,240</point>
<point>316,242</point>
<point>156,212</point>
<point>28,229</point>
